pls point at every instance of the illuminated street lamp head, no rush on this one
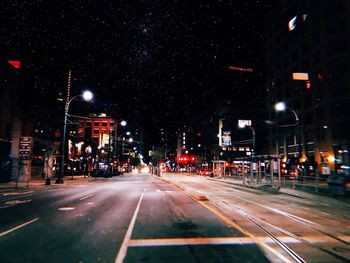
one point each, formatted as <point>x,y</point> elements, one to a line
<point>131,139</point>
<point>128,133</point>
<point>280,106</point>
<point>123,123</point>
<point>87,95</point>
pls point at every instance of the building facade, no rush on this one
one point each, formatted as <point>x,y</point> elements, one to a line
<point>9,83</point>
<point>308,68</point>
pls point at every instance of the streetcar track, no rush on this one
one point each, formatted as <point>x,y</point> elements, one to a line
<point>304,222</point>
<point>293,217</point>
<point>254,219</point>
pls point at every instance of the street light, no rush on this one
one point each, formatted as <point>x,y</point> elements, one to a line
<point>281,106</point>
<point>87,96</point>
<point>242,125</point>
<point>122,123</point>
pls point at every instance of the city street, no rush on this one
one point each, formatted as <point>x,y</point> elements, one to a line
<point>175,131</point>
<point>136,216</point>
<point>140,217</point>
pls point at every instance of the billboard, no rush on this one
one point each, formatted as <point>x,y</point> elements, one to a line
<point>244,123</point>
<point>226,138</point>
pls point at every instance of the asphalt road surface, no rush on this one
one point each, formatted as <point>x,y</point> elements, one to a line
<point>141,218</point>
<point>134,218</point>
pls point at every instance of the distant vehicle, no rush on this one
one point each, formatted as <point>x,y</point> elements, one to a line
<point>204,172</point>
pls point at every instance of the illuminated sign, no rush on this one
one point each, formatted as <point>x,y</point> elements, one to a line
<point>25,157</point>
<point>226,138</point>
<point>184,159</point>
<point>25,148</point>
<point>244,123</point>
<point>15,63</point>
<point>300,76</point>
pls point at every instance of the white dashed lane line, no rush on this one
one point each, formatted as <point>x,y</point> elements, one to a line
<point>83,198</point>
<point>18,227</point>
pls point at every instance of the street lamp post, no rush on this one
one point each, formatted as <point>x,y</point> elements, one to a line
<point>243,125</point>
<point>87,96</point>
<point>122,123</point>
<point>281,106</point>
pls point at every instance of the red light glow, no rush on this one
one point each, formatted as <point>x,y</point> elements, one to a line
<point>184,159</point>
<point>15,63</point>
<point>241,69</point>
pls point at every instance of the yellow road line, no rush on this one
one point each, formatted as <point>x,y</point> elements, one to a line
<point>239,228</point>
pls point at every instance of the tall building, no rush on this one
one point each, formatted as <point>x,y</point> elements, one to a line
<point>308,68</point>
<point>9,82</point>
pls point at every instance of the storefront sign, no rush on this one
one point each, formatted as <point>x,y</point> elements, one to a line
<point>226,138</point>
<point>25,156</point>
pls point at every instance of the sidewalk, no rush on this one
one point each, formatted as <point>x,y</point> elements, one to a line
<point>301,192</point>
<point>321,196</point>
<point>40,183</point>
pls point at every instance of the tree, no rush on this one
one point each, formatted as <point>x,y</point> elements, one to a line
<point>135,161</point>
<point>156,156</point>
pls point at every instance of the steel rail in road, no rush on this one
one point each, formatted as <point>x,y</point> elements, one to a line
<point>300,220</point>
<point>283,245</point>
<point>292,253</point>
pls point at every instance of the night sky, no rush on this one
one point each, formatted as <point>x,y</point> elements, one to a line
<point>158,64</point>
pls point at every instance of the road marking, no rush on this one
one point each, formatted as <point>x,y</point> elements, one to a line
<point>83,198</point>
<point>15,202</point>
<point>288,215</point>
<point>90,203</point>
<point>225,241</point>
<point>164,191</point>
<point>124,246</point>
<point>236,226</point>
<point>204,241</point>
<point>18,227</point>
<point>66,208</point>
<point>18,193</point>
